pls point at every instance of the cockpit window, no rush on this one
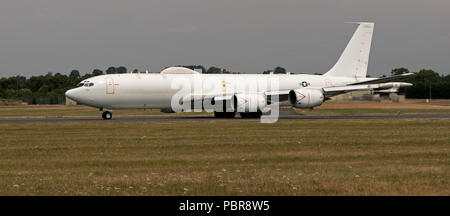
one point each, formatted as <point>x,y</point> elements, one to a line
<point>85,83</point>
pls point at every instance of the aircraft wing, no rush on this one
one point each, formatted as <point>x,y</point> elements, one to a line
<point>332,91</point>
<point>283,94</point>
<point>383,79</point>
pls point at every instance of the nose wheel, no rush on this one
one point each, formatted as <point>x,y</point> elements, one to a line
<point>107,115</point>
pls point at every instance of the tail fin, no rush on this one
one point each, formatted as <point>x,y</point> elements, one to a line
<point>355,58</point>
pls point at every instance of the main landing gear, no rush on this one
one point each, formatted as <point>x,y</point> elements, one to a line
<point>224,114</point>
<point>255,115</point>
<point>251,115</point>
<point>107,115</point>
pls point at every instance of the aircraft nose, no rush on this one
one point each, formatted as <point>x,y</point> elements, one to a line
<point>71,94</point>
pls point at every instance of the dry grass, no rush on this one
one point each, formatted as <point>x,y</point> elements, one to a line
<point>61,111</point>
<point>376,108</point>
<point>299,157</point>
<point>328,108</point>
<point>7,102</point>
<point>409,104</point>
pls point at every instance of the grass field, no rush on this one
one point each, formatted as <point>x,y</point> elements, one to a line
<point>291,157</point>
<point>60,111</point>
<point>328,108</point>
<point>375,108</point>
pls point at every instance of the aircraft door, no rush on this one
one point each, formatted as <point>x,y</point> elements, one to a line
<point>109,85</point>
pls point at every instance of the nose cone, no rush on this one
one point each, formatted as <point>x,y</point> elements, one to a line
<point>71,94</point>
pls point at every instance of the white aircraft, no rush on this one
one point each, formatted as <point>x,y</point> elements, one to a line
<point>228,94</point>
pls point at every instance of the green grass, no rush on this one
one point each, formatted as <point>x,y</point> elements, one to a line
<point>291,157</point>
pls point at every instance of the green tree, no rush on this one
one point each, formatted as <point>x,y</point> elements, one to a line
<point>225,71</point>
<point>43,90</point>
<point>97,72</point>
<point>74,74</point>
<point>426,76</point>
<point>426,82</point>
<point>279,70</point>
<point>447,79</point>
<point>111,70</point>
<point>399,71</point>
<point>10,93</point>
<point>214,70</point>
<point>34,83</point>
<point>24,92</point>
<point>121,70</point>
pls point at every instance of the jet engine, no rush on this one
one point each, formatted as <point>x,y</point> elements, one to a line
<point>249,102</point>
<point>305,98</point>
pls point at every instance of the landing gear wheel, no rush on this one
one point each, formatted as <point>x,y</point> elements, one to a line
<point>224,114</point>
<point>251,114</point>
<point>218,115</point>
<point>230,114</point>
<point>244,115</point>
<point>107,115</point>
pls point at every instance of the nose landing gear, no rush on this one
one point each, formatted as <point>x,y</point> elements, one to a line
<point>107,115</point>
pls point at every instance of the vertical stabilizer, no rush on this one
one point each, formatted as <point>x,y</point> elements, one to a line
<point>355,58</point>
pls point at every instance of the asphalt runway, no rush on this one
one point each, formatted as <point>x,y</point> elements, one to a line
<point>210,118</point>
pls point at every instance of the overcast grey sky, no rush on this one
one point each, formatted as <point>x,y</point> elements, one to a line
<point>38,36</point>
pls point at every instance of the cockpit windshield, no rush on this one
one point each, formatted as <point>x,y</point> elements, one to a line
<point>85,83</point>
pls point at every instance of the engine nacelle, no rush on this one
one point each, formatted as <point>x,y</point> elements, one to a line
<point>249,102</point>
<point>305,98</point>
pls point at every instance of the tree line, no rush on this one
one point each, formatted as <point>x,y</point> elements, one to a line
<point>52,86</point>
<point>49,88</point>
<point>426,83</point>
